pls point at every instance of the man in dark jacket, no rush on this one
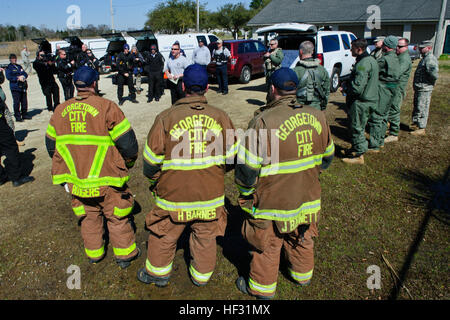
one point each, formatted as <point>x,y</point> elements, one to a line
<point>45,70</point>
<point>154,65</point>
<point>125,75</point>
<point>18,85</point>
<point>65,72</point>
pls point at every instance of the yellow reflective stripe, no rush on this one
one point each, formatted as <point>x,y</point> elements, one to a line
<point>233,150</point>
<point>193,164</point>
<point>79,211</point>
<point>255,286</point>
<point>189,206</point>
<point>163,271</point>
<point>51,131</point>
<point>151,157</point>
<point>291,166</point>
<point>122,212</point>
<point>202,277</point>
<point>285,215</point>
<point>97,164</point>
<point>67,157</point>
<point>120,129</point>
<point>301,277</point>
<point>124,251</point>
<point>95,253</point>
<point>91,182</point>
<point>245,156</point>
<point>329,151</point>
<point>245,191</point>
<point>87,140</point>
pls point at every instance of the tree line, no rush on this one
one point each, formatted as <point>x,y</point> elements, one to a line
<point>173,16</point>
<point>177,16</point>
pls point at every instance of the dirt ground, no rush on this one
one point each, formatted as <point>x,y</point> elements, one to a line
<point>40,238</point>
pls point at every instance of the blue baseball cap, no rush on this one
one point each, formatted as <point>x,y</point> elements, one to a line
<point>84,77</point>
<point>126,46</point>
<point>284,79</point>
<point>195,77</point>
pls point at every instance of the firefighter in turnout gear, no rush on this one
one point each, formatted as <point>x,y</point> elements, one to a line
<point>185,160</point>
<point>278,180</point>
<point>92,146</point>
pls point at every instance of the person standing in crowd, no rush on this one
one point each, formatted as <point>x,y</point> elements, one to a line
<point>389,73</point>
<point>65,73</point>
<point>17,78</point>
<point>125,75</point>
<point>425,77</point>
<point>362,99</point>
<point>272,61</point>
<point>94,64</point>
<point>45,69</point>
<point>154,66</point>
<point>7,114</point>
<point>91,155</point>
<point>314,81</point>
<point>138,64</point>
<point>405,70</point>
<point>174,69</point>
<point>26,59</point>
<point>220,56</point>
<point>377,52</point>
<point>9,147</point>
<point>289,220</point>
<point>188,191</point>
<point>201,55</point>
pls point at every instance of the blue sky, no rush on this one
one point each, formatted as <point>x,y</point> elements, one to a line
<point>128,13</point>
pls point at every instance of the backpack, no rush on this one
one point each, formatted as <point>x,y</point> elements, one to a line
<point>311,88</point>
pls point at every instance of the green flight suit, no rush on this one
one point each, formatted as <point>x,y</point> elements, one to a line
<point>321,83</point>
<point>362,99</point>
<point>394,113</point>
<point>389,72</point>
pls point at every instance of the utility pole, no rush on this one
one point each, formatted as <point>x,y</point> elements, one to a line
<point>112,17</point>
<point>198,16</point>
<point>440,31</point>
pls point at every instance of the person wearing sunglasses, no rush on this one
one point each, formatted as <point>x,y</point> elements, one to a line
<point>272,62</point>
<point>174,69</point>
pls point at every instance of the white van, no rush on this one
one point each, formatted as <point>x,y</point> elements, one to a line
<point>188,42</point>
<point>97,45</point>
<point>332,47</point>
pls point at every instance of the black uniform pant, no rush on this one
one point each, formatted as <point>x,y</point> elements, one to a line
<point>154,85</point>
<point>222,78</point>
<point>20,103</point>
<point>68,88</point>
<point>176,90</point>
<point>9,148</point>
<point>51,93</point>
<point>121,80</point>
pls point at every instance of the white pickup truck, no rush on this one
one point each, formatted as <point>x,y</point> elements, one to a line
<point>332,47</point>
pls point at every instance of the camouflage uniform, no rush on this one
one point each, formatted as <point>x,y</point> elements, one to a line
<point>424,79</point>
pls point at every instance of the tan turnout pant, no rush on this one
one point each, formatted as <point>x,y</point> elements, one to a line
<point>115,207</point>
<point>265,262</point>
<point>162,244</point>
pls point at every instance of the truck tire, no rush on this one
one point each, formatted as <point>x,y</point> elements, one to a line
<point>246,74</point>
<point>335,80</point>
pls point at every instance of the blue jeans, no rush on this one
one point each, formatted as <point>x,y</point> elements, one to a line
<point>222,78</point>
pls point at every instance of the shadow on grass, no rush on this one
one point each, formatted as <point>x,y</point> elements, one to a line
<point>261,88</point>
<point>434,194</point>
<point>340,132</point>
<point>26,160</point>
<point>256,102</point>
<point>22,134</point>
